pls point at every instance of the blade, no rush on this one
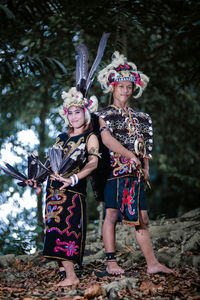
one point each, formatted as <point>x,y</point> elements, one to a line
<point>100,51</point>
<point>81,68</point>
<point>13,170</point>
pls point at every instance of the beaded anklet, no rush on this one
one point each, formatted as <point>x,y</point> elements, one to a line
<point>110,256</point>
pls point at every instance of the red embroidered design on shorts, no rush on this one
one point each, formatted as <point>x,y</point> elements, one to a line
<point>128,198</point>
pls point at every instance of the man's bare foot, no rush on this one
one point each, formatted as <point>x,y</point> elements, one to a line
<point>69,282</point>
<point>114,268</point>
<point>159,268</point>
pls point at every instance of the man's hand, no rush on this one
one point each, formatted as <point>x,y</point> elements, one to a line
<point>134,160</point>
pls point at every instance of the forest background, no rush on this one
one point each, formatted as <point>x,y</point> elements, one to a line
<point>37,61</point>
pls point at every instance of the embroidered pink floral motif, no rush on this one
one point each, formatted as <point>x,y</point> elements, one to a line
<point>70,248</point>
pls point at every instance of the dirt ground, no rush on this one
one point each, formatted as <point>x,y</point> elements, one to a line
<point>176,243</point>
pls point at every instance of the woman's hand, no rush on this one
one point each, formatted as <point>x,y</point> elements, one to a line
<point>30,182</point>
<point>34,185</point>
<point>66,181</point>
<point>55,177</point>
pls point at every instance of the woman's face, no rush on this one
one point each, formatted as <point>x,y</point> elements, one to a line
<point>122,91</point>
<point>76,117</point>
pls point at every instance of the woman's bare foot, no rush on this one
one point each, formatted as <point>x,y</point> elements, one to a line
<point>114,268</point>
<point>68,282</point>
<point>158,268</point>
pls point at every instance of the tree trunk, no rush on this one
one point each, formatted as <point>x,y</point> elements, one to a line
<point>42,139</point>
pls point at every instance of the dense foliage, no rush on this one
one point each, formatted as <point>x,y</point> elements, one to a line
<point>37,61</point>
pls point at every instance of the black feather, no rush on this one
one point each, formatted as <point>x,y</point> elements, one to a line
<point>81,68</point>
<point>32,166</point>
<point>12,174</point>
<point>71,162</point>
<point>13,170</point>
<point>55,156</point>
<point>100,51</point>
<point>44,171</point>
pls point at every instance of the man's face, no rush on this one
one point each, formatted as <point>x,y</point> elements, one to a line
<point>122,91</point>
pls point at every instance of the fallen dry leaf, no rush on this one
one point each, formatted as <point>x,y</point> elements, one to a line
<point>13,290</point>
<point>70,298</point>
<point>94,290</point>
<point>197,297</point>
<point>21,281</point>
<point>148,287</point>
<point>163,249</point>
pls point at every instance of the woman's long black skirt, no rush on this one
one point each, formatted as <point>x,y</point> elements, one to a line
<point>65,220</point>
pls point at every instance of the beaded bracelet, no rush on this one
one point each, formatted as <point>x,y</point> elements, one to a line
<point>73,181</point>
<point>74,178</point>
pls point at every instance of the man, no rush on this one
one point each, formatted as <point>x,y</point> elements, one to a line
<point>128,135</point>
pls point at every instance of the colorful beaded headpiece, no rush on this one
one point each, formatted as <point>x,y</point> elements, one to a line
<point>121,70</point>
<point>77,96</point>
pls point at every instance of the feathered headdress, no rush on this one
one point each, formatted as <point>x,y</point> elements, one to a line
<point>77,96</point>
<point>122,70</point>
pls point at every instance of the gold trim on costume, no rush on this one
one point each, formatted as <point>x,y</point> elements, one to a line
<point>74,145</point>
<point>94,151</point>
<point>126,175</point>
<point>81,244</point>
<point>59,258</point>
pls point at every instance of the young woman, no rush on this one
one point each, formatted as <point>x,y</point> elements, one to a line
<point>128,135</point>
<point>65,212</point>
